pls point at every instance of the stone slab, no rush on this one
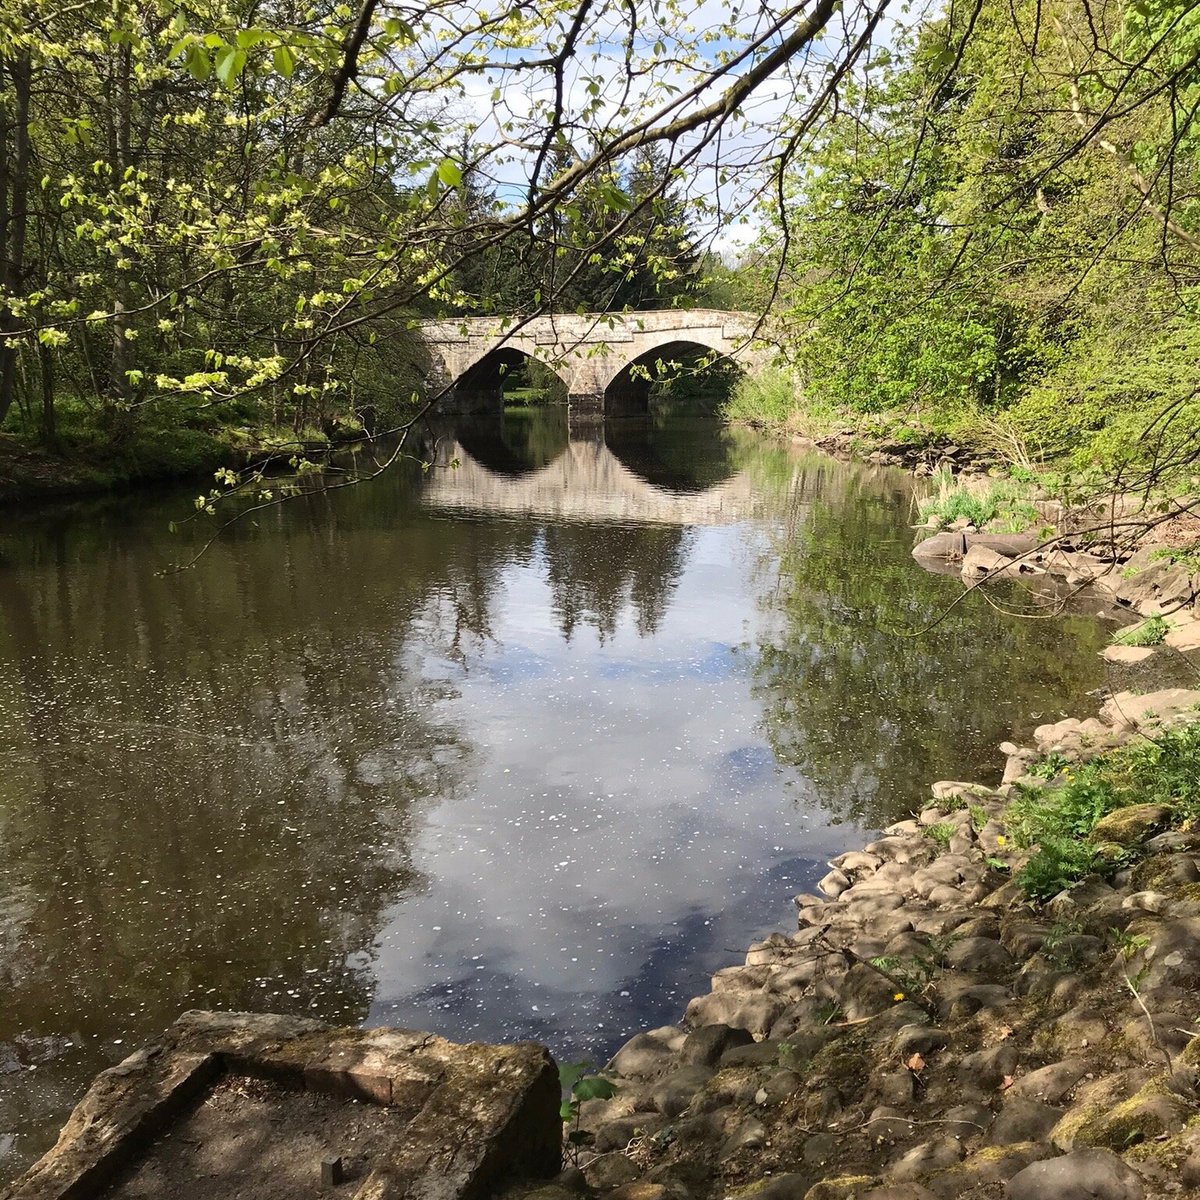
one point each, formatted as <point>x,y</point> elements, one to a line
<point>473,1115</point>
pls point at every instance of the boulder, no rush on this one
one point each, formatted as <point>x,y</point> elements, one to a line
<point>834,883</point>
<point>704,1047</point>
<point>1052,1084</point>
<point>1172,957</point>
<point>748,1134</point>
<point>1184,634</point>
<point>675,1092</point>
<point>1126,655</point>
<point>928,1156</point>
<point>1131,710</point>
<point>648,1053</point>
<point>1131,825</point>
<point>1081,1175</point>
<point>1021,1120</point>
<point>949,546</point>
<point>979,956</point>
<point>755,1012</point>
<point>980,561</point>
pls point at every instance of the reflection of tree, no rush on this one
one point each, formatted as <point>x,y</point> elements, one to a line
<point>594,571</point>
<point>212,781</point>
<point>537,435</point>
<point>870,714</point>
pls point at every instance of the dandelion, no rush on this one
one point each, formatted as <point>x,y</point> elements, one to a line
<point>1002,840</point>
<point>898,996</point>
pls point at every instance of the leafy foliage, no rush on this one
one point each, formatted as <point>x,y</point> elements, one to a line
<point>1058,820</point>
<point>983,232</point>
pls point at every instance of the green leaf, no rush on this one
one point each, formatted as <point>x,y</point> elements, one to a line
<point>400,29</point>
<point>614,198</point>
<point>570,1073</point>
<point>198,63</point>
<point>594,1087</point>
<point>566,1110</point>
<point>284,60</point>
<point>230,64</point>
<point>449,172</point>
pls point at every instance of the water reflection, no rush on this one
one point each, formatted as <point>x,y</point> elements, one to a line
<point>515,748</point>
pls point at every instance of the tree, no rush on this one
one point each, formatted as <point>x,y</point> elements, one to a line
<point>999,225</point>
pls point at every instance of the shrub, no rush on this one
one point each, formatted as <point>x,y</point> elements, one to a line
<point>941,833</point>
<point>1003,505</point>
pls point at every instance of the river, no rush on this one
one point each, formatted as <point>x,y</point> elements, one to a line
<point>522,747</point>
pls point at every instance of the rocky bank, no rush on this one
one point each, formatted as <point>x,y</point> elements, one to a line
<point>929,1030</point>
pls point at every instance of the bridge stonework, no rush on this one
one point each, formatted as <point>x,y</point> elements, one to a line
<point>587,351</point>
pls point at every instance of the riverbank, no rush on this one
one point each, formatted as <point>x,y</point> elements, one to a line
<point>29,473</point>
<point>973,1006</point>
<point>997,997</point>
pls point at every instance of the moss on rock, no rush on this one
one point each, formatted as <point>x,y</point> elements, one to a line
<point>1131,825</point>
<point>844,1187</point>
<point>1150,1113</point>
<point>845,1064</point>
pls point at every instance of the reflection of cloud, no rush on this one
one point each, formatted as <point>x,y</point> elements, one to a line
<point>712,662</point>
<point>616,808</point>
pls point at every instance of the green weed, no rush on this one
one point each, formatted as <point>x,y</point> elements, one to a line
<point>1150,632</point>
<point>941,833</point>
<point>580,1082</point>
<point>1048,767</point>
<point>1057,820</point>
<point>1002,506</point>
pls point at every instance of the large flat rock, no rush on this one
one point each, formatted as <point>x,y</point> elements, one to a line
<point>230,1104</point>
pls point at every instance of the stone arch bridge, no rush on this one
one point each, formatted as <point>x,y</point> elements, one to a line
<point>594,354</point>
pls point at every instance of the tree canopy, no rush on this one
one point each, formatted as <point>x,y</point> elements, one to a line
<point>212,210</point>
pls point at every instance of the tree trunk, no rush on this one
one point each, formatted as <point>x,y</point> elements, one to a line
<point>49,422</point>
<point>14,200</point>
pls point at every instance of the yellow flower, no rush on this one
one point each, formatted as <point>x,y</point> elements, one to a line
<point>1001,840</point>
<point>898,996</point>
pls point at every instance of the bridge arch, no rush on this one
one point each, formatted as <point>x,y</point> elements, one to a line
<point>481,384</point>
<point>627,391</point>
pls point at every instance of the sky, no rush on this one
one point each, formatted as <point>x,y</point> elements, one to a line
<point>676,47</point>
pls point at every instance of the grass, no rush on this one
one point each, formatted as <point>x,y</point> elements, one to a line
<point>771,399</point>
<point>1150,632</point>
<point>1002,506</point>
<point>941,833</point>
<point>1057,821</point>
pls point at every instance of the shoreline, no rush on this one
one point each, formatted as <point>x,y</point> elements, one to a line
<point>931,1030</point>
<point>934,1030</point>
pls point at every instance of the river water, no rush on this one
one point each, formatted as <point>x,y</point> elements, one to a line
<point>518,748</point>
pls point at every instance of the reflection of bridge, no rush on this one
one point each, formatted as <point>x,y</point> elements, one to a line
<point>586,482</point>
<point>596,355</point>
